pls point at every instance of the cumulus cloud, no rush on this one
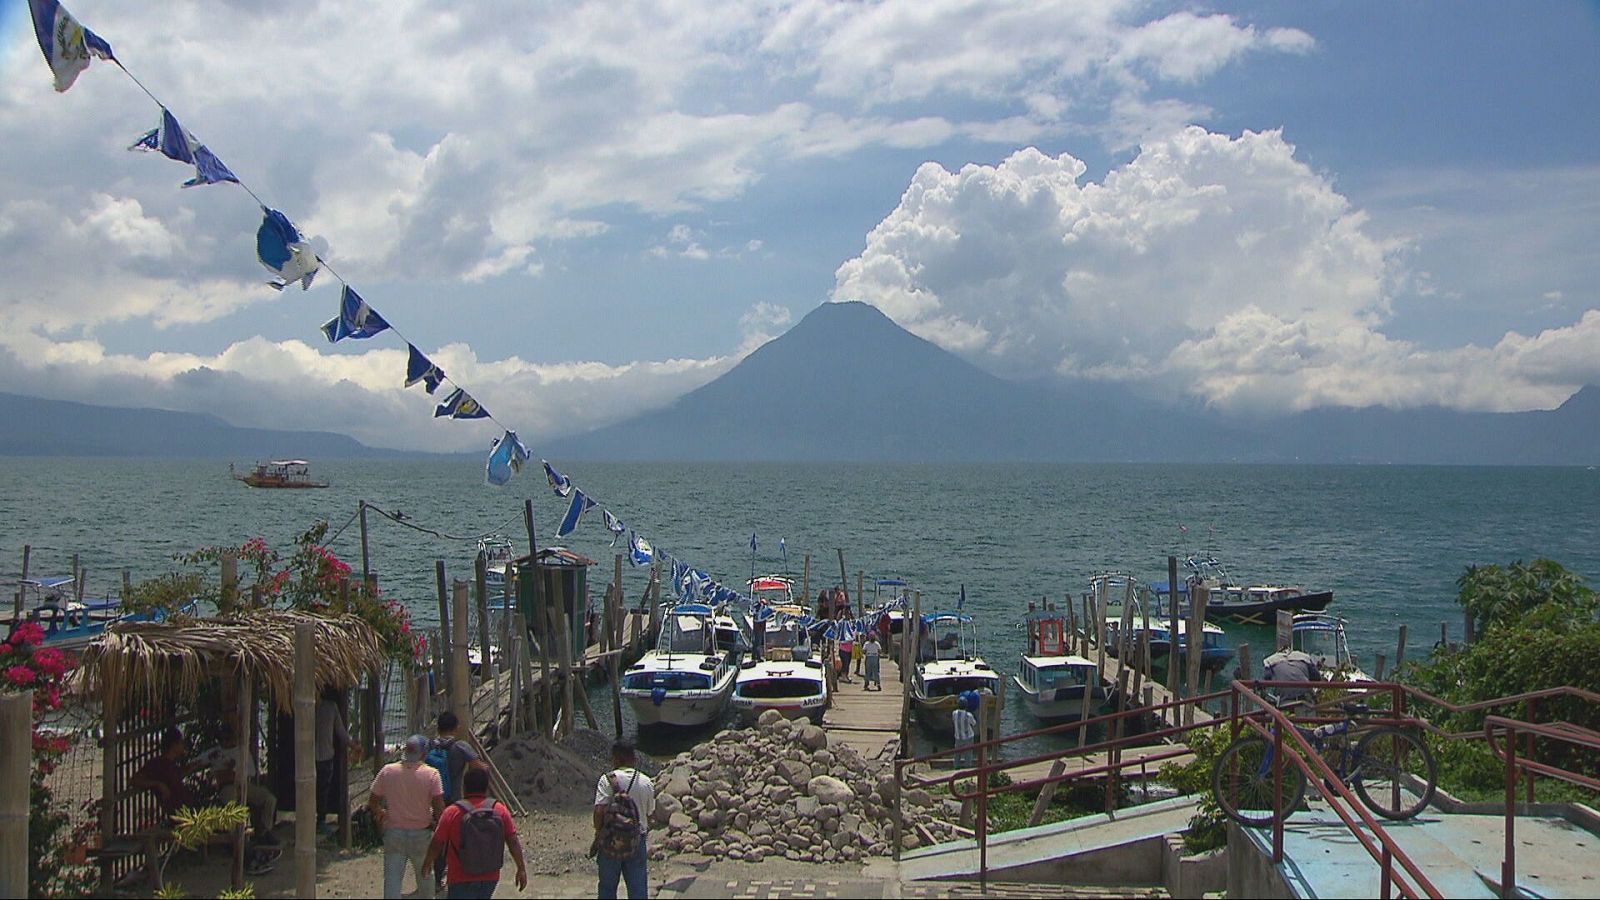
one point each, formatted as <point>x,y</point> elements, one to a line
<point>1210,264</point>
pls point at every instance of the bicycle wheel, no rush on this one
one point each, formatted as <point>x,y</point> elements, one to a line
<point>1242,782</point>
<point>1395,773</point>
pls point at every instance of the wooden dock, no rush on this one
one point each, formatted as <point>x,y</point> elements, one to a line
<point>868,721</point>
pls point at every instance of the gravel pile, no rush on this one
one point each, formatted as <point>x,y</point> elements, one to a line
<point>779,790</point>
<point>559,776</point>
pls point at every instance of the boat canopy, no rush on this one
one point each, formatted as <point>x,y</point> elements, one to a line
<point>1161,587</point>
<point>288,462</point>
<point>1057,662</point>
<point>691,609</point>
<point>770,583</point>
<point>53,581</point>
<point>934,617</point>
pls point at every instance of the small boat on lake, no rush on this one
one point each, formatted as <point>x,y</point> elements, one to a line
<point>497,556</point>
<point>1214,654</point>
<point>1051,680</point>
<point>279,473</point>
<point>783,676</point>
<point>1255,604</point>
<point>1322,637</point>
<point>70,623</point>
<point>685,681</point>
<point>891,597</point>
<point>948,665</point>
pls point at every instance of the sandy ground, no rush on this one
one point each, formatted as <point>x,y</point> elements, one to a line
<point>554,844</point>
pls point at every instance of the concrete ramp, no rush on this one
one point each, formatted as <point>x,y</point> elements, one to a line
<point>1460,854</point>
<point>1121,848</point>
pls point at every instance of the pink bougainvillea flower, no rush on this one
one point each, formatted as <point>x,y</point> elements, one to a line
<point>28,633</point>
<point>51,661</point>
<point>21,675</point>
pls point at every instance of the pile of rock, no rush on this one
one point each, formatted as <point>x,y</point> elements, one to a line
<point>779,790</point>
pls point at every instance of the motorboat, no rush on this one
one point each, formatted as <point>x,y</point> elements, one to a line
<point>1051,680</point>
<point>948,665</point>
<point>279,473</point>
<point>1322,637</point>
<point>783,675</point>
<point>732,628</point>
<point>891,600</point>
<point>1229,600</point>
<point>685,681</point>
<point>70,622</point>
<point>498,554</point>
<point>1214,654</point>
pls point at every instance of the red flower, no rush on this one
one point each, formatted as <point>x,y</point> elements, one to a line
<point>21,675</point>
<point>28,633</point>
<point>51,661</point>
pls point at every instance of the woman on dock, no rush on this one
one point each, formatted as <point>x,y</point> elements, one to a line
<point>846,647</point>
<point>871,652</point>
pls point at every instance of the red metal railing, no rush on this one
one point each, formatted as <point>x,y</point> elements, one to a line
<point>1561,731</point>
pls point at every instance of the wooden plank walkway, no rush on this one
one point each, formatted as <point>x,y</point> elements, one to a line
<point>868,721</point>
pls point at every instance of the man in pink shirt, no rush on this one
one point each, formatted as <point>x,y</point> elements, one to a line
<point>406,798</point>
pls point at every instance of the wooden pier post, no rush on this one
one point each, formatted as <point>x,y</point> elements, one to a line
<point>480,581</point>
<point>1243,653</point>
<point>1172,615</point>
<point>305,762</point>
<point>16,763</point>
<point>244,729</point>
<point>805,584</point>
<point>517,719</point>
<point>1377,674</point>
<point>614,605</point>
<point>1284,625</point>
<point>1400,649</point>
<point>27,556</point>
<point>525,660</point>
<point>1083,645</point>
<point>445,633</point>
<point>1444,635</point>
<point>1196,641</point>
<point>460,666</point>
<point>564,641</point>
<point>366,555</point>
<point>910,637</point>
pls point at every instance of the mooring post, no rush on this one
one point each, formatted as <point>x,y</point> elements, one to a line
<point>1400,649</point>
<point>16,764</point>
<point>444,627</point>
<point>1172,605</point>
<point>305,762</point>
<point>460,664</point>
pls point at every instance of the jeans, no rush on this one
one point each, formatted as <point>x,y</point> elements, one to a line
<point>470,890</point>
<point>635,870</point>
<point>873,674</point>
<point>325,799</point>
<point>965,759</point>
<point>402,846</point>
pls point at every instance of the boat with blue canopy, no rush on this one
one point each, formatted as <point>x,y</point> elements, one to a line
<point>948,665</point>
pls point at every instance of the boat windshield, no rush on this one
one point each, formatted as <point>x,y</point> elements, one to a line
<point>671,681</point>
<point>787,635</point>
<point>1051,677</point>
<point>949,687</point>
<point>686,634</point>
<point>1323,642</point>
<point>947,637</point>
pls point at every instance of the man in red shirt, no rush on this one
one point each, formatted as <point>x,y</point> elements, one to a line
<point>164,776</point>
<point>448,837</point>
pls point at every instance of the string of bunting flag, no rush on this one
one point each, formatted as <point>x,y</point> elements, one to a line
<point>69,48</point>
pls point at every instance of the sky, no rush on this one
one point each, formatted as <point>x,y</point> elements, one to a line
<point>583,210</point>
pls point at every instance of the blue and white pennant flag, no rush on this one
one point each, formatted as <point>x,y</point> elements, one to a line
<point>356,320</point>
<point>507,455</point>
<point>67,45</point>
<point>559,483</point>
<point>580,505</point>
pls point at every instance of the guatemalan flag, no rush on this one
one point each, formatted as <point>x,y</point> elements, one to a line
<point>559,483</point>
<point>355,320</point>
<point>640,553</point>
<point>67,45</point>
<point>284,252</point>
<point>175,143</point>
<point>613,525</point>
<point>506,458</point>
<point>460,405</point>
<point>420,368</point>
<point>580,505</point>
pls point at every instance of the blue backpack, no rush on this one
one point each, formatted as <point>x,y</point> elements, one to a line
<point>439,758</point>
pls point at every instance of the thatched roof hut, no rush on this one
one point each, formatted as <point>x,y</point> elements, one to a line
<point>150,660</point>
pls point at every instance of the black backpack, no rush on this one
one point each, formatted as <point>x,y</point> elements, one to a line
<point>620,824</point>
<point>483,837</point>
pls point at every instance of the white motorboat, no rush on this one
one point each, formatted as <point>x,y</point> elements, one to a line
<point>891,597</point>
<point>784,676</point>
<point>948,665</point>
<point>685,681</point>
<point>1053,681</point>
<point>497,556</point>
<point>1322,637</point>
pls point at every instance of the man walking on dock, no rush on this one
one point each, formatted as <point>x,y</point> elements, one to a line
<point>406,798</point>
<point>872,652</point>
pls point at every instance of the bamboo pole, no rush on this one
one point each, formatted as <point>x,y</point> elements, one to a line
<point>525,660</point>
<point>305,762</point>
<point>480,581</point>
<point>460,666</point>
<point>444,625</point>
<point>1196,640</point>
<point>515,719</point>
<point>16,751</point>
<point>805,582</point>
<point>844,579</point>
<point>910,638</point>
<point>613,613</point>
<point>244,733</point>
<point>564,640</point>
<point>1172,609</point>
<point>366,556</point>
<point>1400,649</point>
<point>1083,645</point>
<point>27,556</point>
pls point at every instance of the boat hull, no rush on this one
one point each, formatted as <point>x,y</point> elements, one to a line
<point>1060,705</point>
<point>1265,612</point>
<point>749,709</point>
<point>1211,659</point>
<point>688,710</point>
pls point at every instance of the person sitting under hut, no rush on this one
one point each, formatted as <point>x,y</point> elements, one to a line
<point>164,776</point>
<point>222,761</point>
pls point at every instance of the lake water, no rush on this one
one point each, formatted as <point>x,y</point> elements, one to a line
<point>1389,541</point>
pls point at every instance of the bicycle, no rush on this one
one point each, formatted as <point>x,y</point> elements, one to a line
<point>1389,768</point>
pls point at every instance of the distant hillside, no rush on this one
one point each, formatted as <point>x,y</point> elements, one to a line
<point>33,426</point>
<point>847,383</point>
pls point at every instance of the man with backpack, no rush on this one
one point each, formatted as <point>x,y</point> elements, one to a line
<point>472,838</point>
<point>624,800</point>
<point>451,756</point>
